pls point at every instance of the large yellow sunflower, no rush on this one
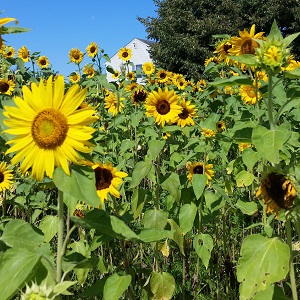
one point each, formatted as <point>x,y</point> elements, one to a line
<point>277,192</point>
<point>24,54</point>
<point>163,106</point>
<point>108,179</point>
<point>49,127</point>
<point>185,118</point>
<point>92,49</point>
<point>245,43</point>
<point>200,168</point>
<point>114,103</point>
<point>6,176</point>
<point>43,62</point>
<point>6,86</point>
<point>125,53</point>
<point>148,68</point>
<point>76,56</point>
<point>250,93</point>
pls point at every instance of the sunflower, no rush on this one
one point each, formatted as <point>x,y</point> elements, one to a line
<point>222,50</point>
<point>7,20</point>
<point>43,62</point>
<point>208,133</point>
<point>220,126</point>
<point>181,83</point>
<point>108,179</point>
<point>162,76</point>
<point>185,118</point>
<point>23,53</point>
<point>49,128</point>
<point>162,105</point>
<point>139,95</point>
<point>6,176</point>
<point>6,86</point>
<point>92,49</point>
<point>148,68</point>
<point>200,168</point>
<point>213,59</point>
<point>166,135</point>
<point>131,76</point>
<point>8,52</point>
<point>74,77</point>
<point>131,86</point>
<point>201,85</point>
<point>89,71</point>
<point>246,42</point>
<point>243,146</point>
<point>125,53</point>
<point>113,103</point>
<point>76,56</point>
<point>116,74</point>
<point>228,90</point>
<point>277,192</point>
<point>250,94</point>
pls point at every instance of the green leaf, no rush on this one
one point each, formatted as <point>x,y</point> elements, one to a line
<point>17,266</point>
<point>203,245</point>
<point>178,235</point>
<point>199,183</point>
<point>262,261</point>
<point>141,170</point>
<point>95,289</point>
<point>162,285</point>
<point>250,158</point>
<point>20,234</point>
<point>61,288</point>
<point>172,185</point>
<point>115,286</point>
<point>234,80</point>
<point>244,178</point>
<point>81,184</point>
<point>155,218</point>
<point>49,226</point>
<point>149,235</point>
<point>187,216</point>
<point>269,142</point>
<point>248,208</point>
<point>155,147</point>
<point>138,201</point>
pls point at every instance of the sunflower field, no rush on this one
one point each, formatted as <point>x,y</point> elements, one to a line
<point>168,188</point>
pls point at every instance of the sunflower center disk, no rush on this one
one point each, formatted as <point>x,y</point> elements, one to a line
<point>4,87</point>
<point>198,170</point>
<point>1,177</point>
<point>49,129</point>
<point>184,114</point>
<point>103,178</point>
<point>163,107</point>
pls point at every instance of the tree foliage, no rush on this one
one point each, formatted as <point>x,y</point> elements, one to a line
<point>183,29</point>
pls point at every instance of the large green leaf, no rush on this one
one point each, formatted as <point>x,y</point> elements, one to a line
<point>49,226</point>
<point>263,262</point>
<point>17,266</point>
<point>141,170</point>
<point>172,185</point>
<point>199,183</point>
<point>203,245</point>
<point>235,80</point>
<point>269,142</point>
<point>248,208</point>
<point>155,147</point>
<point>187,216</point>
<point>244,178</point>
<point>115,286</point>
<point>149,235</point>
<point>178,235</point>
<point>20,234</point>
<point>155,218</point>
<point>80,184</point>
<point>250,158</point>
<point>162,285</point>
<point>138,201</point>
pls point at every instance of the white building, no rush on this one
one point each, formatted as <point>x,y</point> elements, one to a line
<point>140,55</point>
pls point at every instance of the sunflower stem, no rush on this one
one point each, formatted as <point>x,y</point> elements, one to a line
<point>60,214</point>
<point>292,271</point>
<point>270,101</point>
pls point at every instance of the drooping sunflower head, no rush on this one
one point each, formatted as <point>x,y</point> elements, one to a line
<point>6,86</point>
<point>92,49</point>
<point>6,177</point>
<point>189,111</point>
<point>200,168</point>
<point>76,56</point>
<point>139,95</point>
<point>74,77</point>
<point>89,70</point>
<point>125,53</point>
<point>148,68</point>
<point>209,60</point>
<point>201,85</point>
<point>24,54</point>
<point>114,103</point>
<point>49,133</point>
<point>277,192</point>
<point>220,126</point>
<point>163,106</point>
<point>43,62</point>
<point>108,179</point>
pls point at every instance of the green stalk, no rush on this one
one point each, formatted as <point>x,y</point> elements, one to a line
<point>292,271</point>
<point>60,214</point>
<point>270,101</point>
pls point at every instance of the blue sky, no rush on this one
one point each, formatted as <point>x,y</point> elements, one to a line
<point>57,26</point>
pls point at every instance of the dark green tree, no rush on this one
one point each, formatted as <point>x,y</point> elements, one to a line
<point>183,29</point>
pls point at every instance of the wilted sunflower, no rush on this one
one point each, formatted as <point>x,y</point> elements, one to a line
<point>6,177</point>
<point>208,133</point>
<point>250,94</point>
<point>43,62</point>
<point>125,53</point>
<point>6,86</point>
<point>148,68</point>
<point>76,56</point>
<point>92,49</point>
<point>49,133</point>
<point>200,168</point>
<point>277,192</point>
<point>108,179</point>
<point>23,53</point>
<point>139,95</point>
<point>113,103</point>
<point>185,118</point>
<point>74,77</point>
<point>163,106</point>
<point>220,126</point>
<point>245,43</point>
